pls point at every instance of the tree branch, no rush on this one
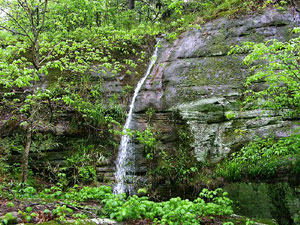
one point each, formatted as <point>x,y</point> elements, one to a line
<point>44,16</point>
<point>49,53</point>
<point>17,23</point>
<point>12,31</point>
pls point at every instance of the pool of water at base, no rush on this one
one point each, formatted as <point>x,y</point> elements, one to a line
<point>279,201</point>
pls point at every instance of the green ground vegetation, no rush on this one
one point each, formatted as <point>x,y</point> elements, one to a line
<point>263,158</point>
<point>63,205</point>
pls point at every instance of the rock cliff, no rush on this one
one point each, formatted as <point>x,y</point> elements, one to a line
<point>196,84</point>
<point>195,77</point>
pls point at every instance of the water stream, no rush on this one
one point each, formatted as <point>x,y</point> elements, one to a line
<point>125,167</point>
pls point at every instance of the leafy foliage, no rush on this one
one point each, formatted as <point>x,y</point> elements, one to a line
<point>176,167</point>
<point>174,211</point>
<point>211,9</point>
<point>51,50</point>
<point>122,208</point>
<point>276,64</point>
<point>263,158</point>
<point>62,53</point>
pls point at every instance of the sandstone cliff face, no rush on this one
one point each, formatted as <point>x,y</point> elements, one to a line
<point>195,77</point>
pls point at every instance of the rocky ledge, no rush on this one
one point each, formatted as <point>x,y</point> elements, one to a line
<point>195,77</point>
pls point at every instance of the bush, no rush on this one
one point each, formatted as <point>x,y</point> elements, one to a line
<point>263,158</point>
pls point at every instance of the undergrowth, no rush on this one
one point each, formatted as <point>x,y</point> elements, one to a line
<point>263,158</point>
<point>122,208</point>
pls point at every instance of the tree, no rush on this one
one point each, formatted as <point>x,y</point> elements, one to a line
<point>28,72</point>
<point>36,43</point>
<point>48,50</point>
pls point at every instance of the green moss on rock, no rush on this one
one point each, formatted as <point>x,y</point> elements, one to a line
<point>214,71</point>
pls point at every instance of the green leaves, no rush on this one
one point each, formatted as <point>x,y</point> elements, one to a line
<point>174,211</point>
<point>263,157</point>
<point>276,65</point>
<point>8,218</point>
<point>15,71</point>
<point>27,214</point>
<point>121,208</point>
<point>61,212</point>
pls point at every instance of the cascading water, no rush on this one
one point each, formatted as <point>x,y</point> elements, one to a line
<point>125,161</point>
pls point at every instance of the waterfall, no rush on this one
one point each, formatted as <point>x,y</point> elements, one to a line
<point>125,161</point>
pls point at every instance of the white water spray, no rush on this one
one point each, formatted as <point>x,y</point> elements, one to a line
<point>125,162</point>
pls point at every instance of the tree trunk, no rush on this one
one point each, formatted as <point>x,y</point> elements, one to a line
<point>131,4</point>
<point>26,154</point>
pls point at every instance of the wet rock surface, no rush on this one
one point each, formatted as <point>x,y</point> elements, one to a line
<point>195,77</point>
